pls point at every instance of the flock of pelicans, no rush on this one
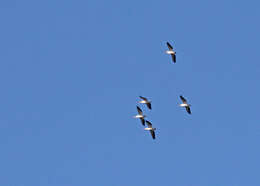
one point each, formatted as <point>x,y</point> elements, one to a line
<point>144,100</point>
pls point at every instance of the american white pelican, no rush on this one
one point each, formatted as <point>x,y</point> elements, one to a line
<point>140,115</point>
<point>171,52</point>
<point>146,101</point>
<point>150,128</point>
<point>185,104</point>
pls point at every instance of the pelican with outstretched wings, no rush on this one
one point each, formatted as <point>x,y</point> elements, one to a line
<point>171,52</point>
<point>140,115</point>
<point>146,101</point>
<point>185,104</point>
<point>150,128</point>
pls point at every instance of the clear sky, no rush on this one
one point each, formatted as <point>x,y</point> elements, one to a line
<point>71,73</point>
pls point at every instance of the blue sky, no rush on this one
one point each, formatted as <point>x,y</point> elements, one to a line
<point>71,73</point>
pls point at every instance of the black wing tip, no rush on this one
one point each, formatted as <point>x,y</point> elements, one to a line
<point>148,122</point>
<point>169,45</point>
<point>188,110</point>
<point>142,97</point>
<point>143,121</point>
<point>173,58</point>
<point>139,109</point>
<point>153,135</point>
<point>182,97</point>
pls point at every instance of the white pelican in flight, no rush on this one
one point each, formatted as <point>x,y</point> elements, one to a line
<point>185,104</point>
<point>171,52</point>
<point>150,128</point>
<point>146,101</point>
<point>140,115</point>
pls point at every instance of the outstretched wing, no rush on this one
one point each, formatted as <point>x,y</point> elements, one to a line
<point>188,110</point>
<point>143,98</point>
<point>183,99</point>
<point>152,133</point>
<point>174,58</point>
<point>149,105</point>
<point>139,110</point>
<point>169,46</point>
<point>149,124</point>
<point>143,121</point>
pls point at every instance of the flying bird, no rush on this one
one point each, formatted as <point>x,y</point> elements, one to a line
<point>140,115</point>
<point>171,52</point>
<point>146,101</point>
<point>150,128</point>
<point>185,104</point>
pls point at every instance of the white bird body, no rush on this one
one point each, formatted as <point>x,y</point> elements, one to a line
<point>184,105</point>
<point>139,116</point>
<point>148,128</point>
<point>143,101</point>
<point>170,52</point>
